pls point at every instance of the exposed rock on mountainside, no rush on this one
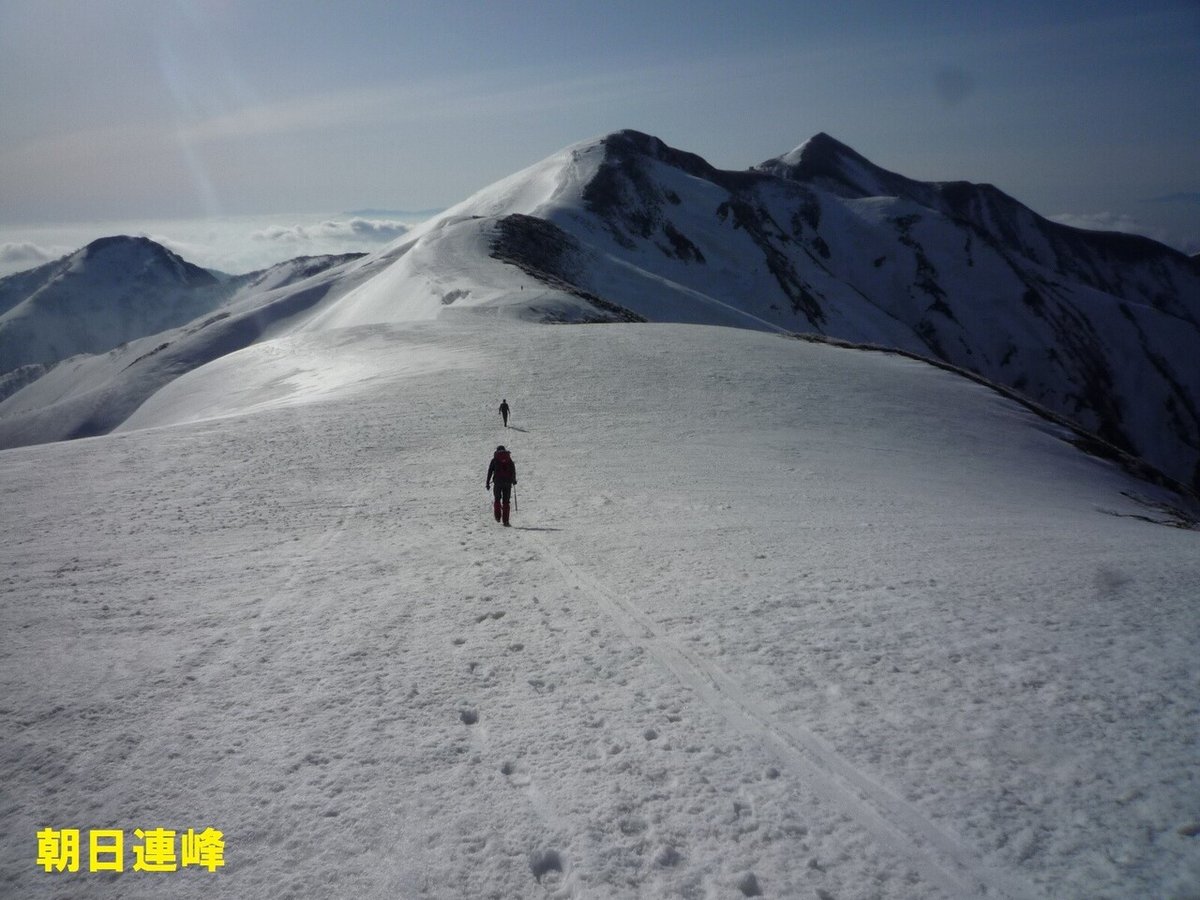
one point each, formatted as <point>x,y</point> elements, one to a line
<point>547,253</point>
<point>1101,327</point>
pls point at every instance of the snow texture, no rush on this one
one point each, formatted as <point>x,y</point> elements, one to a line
<point>776,619</point>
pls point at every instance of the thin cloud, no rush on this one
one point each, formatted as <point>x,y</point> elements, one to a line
<point>356,229</point>
<point>228,244</point>
<point>1103,221</point>
<point>18,256</point>
<point>461,98</point>
<point>1108,221</point>
<point>384,231</point>
<point>242,245</point>
<point>501,94</point>
<point>1179,197</point>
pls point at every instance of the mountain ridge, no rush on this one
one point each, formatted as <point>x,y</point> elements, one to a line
<point>1079,300</point>
<point>114,290</point>
<point>1097,327</point>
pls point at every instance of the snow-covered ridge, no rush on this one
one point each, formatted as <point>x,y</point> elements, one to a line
<point>113,289</point>
<point>1101,328</point>
<point>118,289</point>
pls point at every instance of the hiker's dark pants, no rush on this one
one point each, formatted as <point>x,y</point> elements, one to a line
<point>502,490</point>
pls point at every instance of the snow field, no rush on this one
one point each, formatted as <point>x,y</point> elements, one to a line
<point>775,620</point>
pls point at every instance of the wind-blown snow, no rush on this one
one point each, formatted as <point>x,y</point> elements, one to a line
<point>776,619</point>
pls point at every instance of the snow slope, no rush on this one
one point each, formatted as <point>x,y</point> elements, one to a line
<point>445,262</point>
<point>87,395</point>
<point>120,289</point>
<point>1101,328</point>
<point>110,291</point>
<point>776,619</point>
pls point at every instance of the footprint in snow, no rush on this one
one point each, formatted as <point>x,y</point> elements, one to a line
<point>515,774</point>
<point>543,862</point>
<point>748,884</point>
<point>632,825</point>
<point>667,857</point>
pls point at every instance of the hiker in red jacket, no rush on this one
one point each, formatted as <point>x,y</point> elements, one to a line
<point>503,473</point>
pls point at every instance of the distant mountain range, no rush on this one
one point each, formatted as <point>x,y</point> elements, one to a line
<point>117,289</point>
<point>1101,328</point>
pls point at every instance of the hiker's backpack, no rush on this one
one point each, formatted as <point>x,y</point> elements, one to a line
<point>505,470</point>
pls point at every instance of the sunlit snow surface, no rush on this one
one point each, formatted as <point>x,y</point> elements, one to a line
<point>775,619</point>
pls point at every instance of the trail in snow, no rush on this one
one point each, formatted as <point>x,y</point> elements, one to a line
<point>775,619</point>
<point>939,856</point>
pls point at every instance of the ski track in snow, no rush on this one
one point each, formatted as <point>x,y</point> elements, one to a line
<point>939,856</point>
<point>303,627</point>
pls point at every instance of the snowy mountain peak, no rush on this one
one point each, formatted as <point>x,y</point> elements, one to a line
<point>137,257</point>
<point>822,239</point>
<point>820,152</point>
<point>827,163</point>
<point>627,145</point>
<point>115,290</point>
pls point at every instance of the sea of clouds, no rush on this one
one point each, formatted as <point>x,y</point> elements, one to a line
<point>235,244</point>
<point>239,244</point>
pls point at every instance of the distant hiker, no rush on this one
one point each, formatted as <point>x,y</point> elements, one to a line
<point>503,472</point>
<point>504,412</point>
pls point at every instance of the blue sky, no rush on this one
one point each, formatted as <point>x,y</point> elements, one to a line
<point>202,109</point>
